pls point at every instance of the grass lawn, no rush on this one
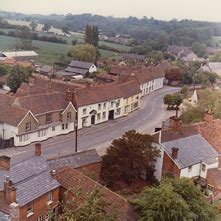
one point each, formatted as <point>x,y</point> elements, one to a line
<point>48,52</point>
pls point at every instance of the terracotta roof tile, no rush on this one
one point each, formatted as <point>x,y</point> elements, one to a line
<point>70,178</point>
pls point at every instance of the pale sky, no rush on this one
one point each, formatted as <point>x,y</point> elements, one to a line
<point>160,9</point>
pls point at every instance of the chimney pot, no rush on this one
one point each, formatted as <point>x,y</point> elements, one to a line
<point>37,149</point>
<point>53,173</point>
<point>175,151</point>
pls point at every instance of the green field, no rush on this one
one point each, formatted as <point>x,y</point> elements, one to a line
<point>217,41</point>
<point>48,52</point>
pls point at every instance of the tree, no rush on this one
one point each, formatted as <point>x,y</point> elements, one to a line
<point>91,208</point>
<point>179,200</point>
<point>46,27</point>
<point>74,42</point>
<point>65,29</point>
<point>192,115</point>
<point>18,75</point>
<point>33,25</point>
<point>91,35</point>
<point>200,50</point>
<point>24,42</point>
<point>83,52</point>
<point>128,157</point>
<point>184,90</point>
<point>3,70</point>
<point>173,74</point>
<point>173,101</point>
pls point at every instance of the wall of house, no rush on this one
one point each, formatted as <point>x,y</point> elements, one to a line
<point>131,103</point>
<point>55,117</point>
<point>92,69</point>
<point>28,119</point>
<point>84,119</point>
<point>70,109</point>
<point>169,166</point>
<point>41,207</point>
<point>196,170</point>
<point>159,162</point>
<point>46,132</point>
<point>7,131</point>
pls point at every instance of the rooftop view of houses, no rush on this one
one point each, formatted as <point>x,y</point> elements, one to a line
<point>108,118</point>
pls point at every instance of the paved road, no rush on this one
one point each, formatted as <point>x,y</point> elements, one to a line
<point>150,115</point>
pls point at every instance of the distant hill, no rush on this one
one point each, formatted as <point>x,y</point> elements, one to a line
<point>174,32</point>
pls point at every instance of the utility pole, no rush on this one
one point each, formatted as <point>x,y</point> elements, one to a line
<point>76,133</point>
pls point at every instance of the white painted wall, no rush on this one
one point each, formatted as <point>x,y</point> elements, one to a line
<point>105,107</point>
<point>33,136</point>
<point>197,170</point>
<point>7,131</point>
<point>92,69</point>
<point>159,162</point>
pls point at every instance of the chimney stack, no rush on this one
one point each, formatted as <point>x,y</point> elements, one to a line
<point>5,163</point>
<point>175,123</point>
<point>9,191</point>
<point>68,95</point>
<point>37,149</point>
<point>175,152</point>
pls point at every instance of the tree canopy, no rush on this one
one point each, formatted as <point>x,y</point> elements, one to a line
<point>83,52</point>
<point>17,75</point>
<point>91,35</point>
<point>172,200</point>
<point>128,157</point>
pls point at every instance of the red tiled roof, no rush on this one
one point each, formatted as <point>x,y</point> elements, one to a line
<point>96,94</point>
<point>70,178</point>
<point>130,88</point>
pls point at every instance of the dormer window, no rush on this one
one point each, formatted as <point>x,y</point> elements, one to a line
<point>48,118</point>
<point>28,126</point>
<point>69,116</point>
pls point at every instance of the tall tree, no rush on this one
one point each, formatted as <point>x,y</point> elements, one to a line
<point>33,25</point>
<point>91,35</point>
<point>46,27</point>
<point>174,200</point>
<point>128,157</point>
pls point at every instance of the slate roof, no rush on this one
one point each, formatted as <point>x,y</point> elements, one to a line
<point>192,150</point>
<point>71,178</point>
<point>80,64</point>
<point>32,179</point>
<point>75,160</point>
<point>75,70</point>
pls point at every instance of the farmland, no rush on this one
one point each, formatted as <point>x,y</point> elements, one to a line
<point>48,52</point>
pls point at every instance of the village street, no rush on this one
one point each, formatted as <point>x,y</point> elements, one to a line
<point>150,115</point>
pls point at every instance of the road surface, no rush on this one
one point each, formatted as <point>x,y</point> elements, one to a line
<point>150,115</point>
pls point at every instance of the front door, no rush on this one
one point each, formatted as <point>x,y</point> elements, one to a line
<point>111,115</point>
<point>93,119</point>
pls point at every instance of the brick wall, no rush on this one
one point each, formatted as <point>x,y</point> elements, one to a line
<point>40,207</point>
<point>169,166</point>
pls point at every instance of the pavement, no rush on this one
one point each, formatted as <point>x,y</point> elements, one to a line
<point>145,120</point>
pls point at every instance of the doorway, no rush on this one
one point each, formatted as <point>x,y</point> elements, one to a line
<point>111,115</point>
<point>93,119</point>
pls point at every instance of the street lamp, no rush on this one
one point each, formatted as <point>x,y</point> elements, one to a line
<point>76,134</point>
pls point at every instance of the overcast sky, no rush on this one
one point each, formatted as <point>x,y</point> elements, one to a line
<point>160,9</point>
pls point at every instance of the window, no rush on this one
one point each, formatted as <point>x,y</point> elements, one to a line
<point>98,116</point>
<point>99,106</point>
<point>85,111</point>
<point>112,103</point>
<point>53,128</point>
<point>64,126</point>
<point>189,169</point>
<point>41,133</point>
<point>48,118</point>
<point>30,209</point>
<point>104,115</point>
<point>49,198</point>
<point>203,167</point>
<point>104,105</point>
<point>118,111</point>
<point>23,138</point>
<point>40,218</point>
<point>69,116</point>
<point>135,105</point>
<point>28,126</point>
